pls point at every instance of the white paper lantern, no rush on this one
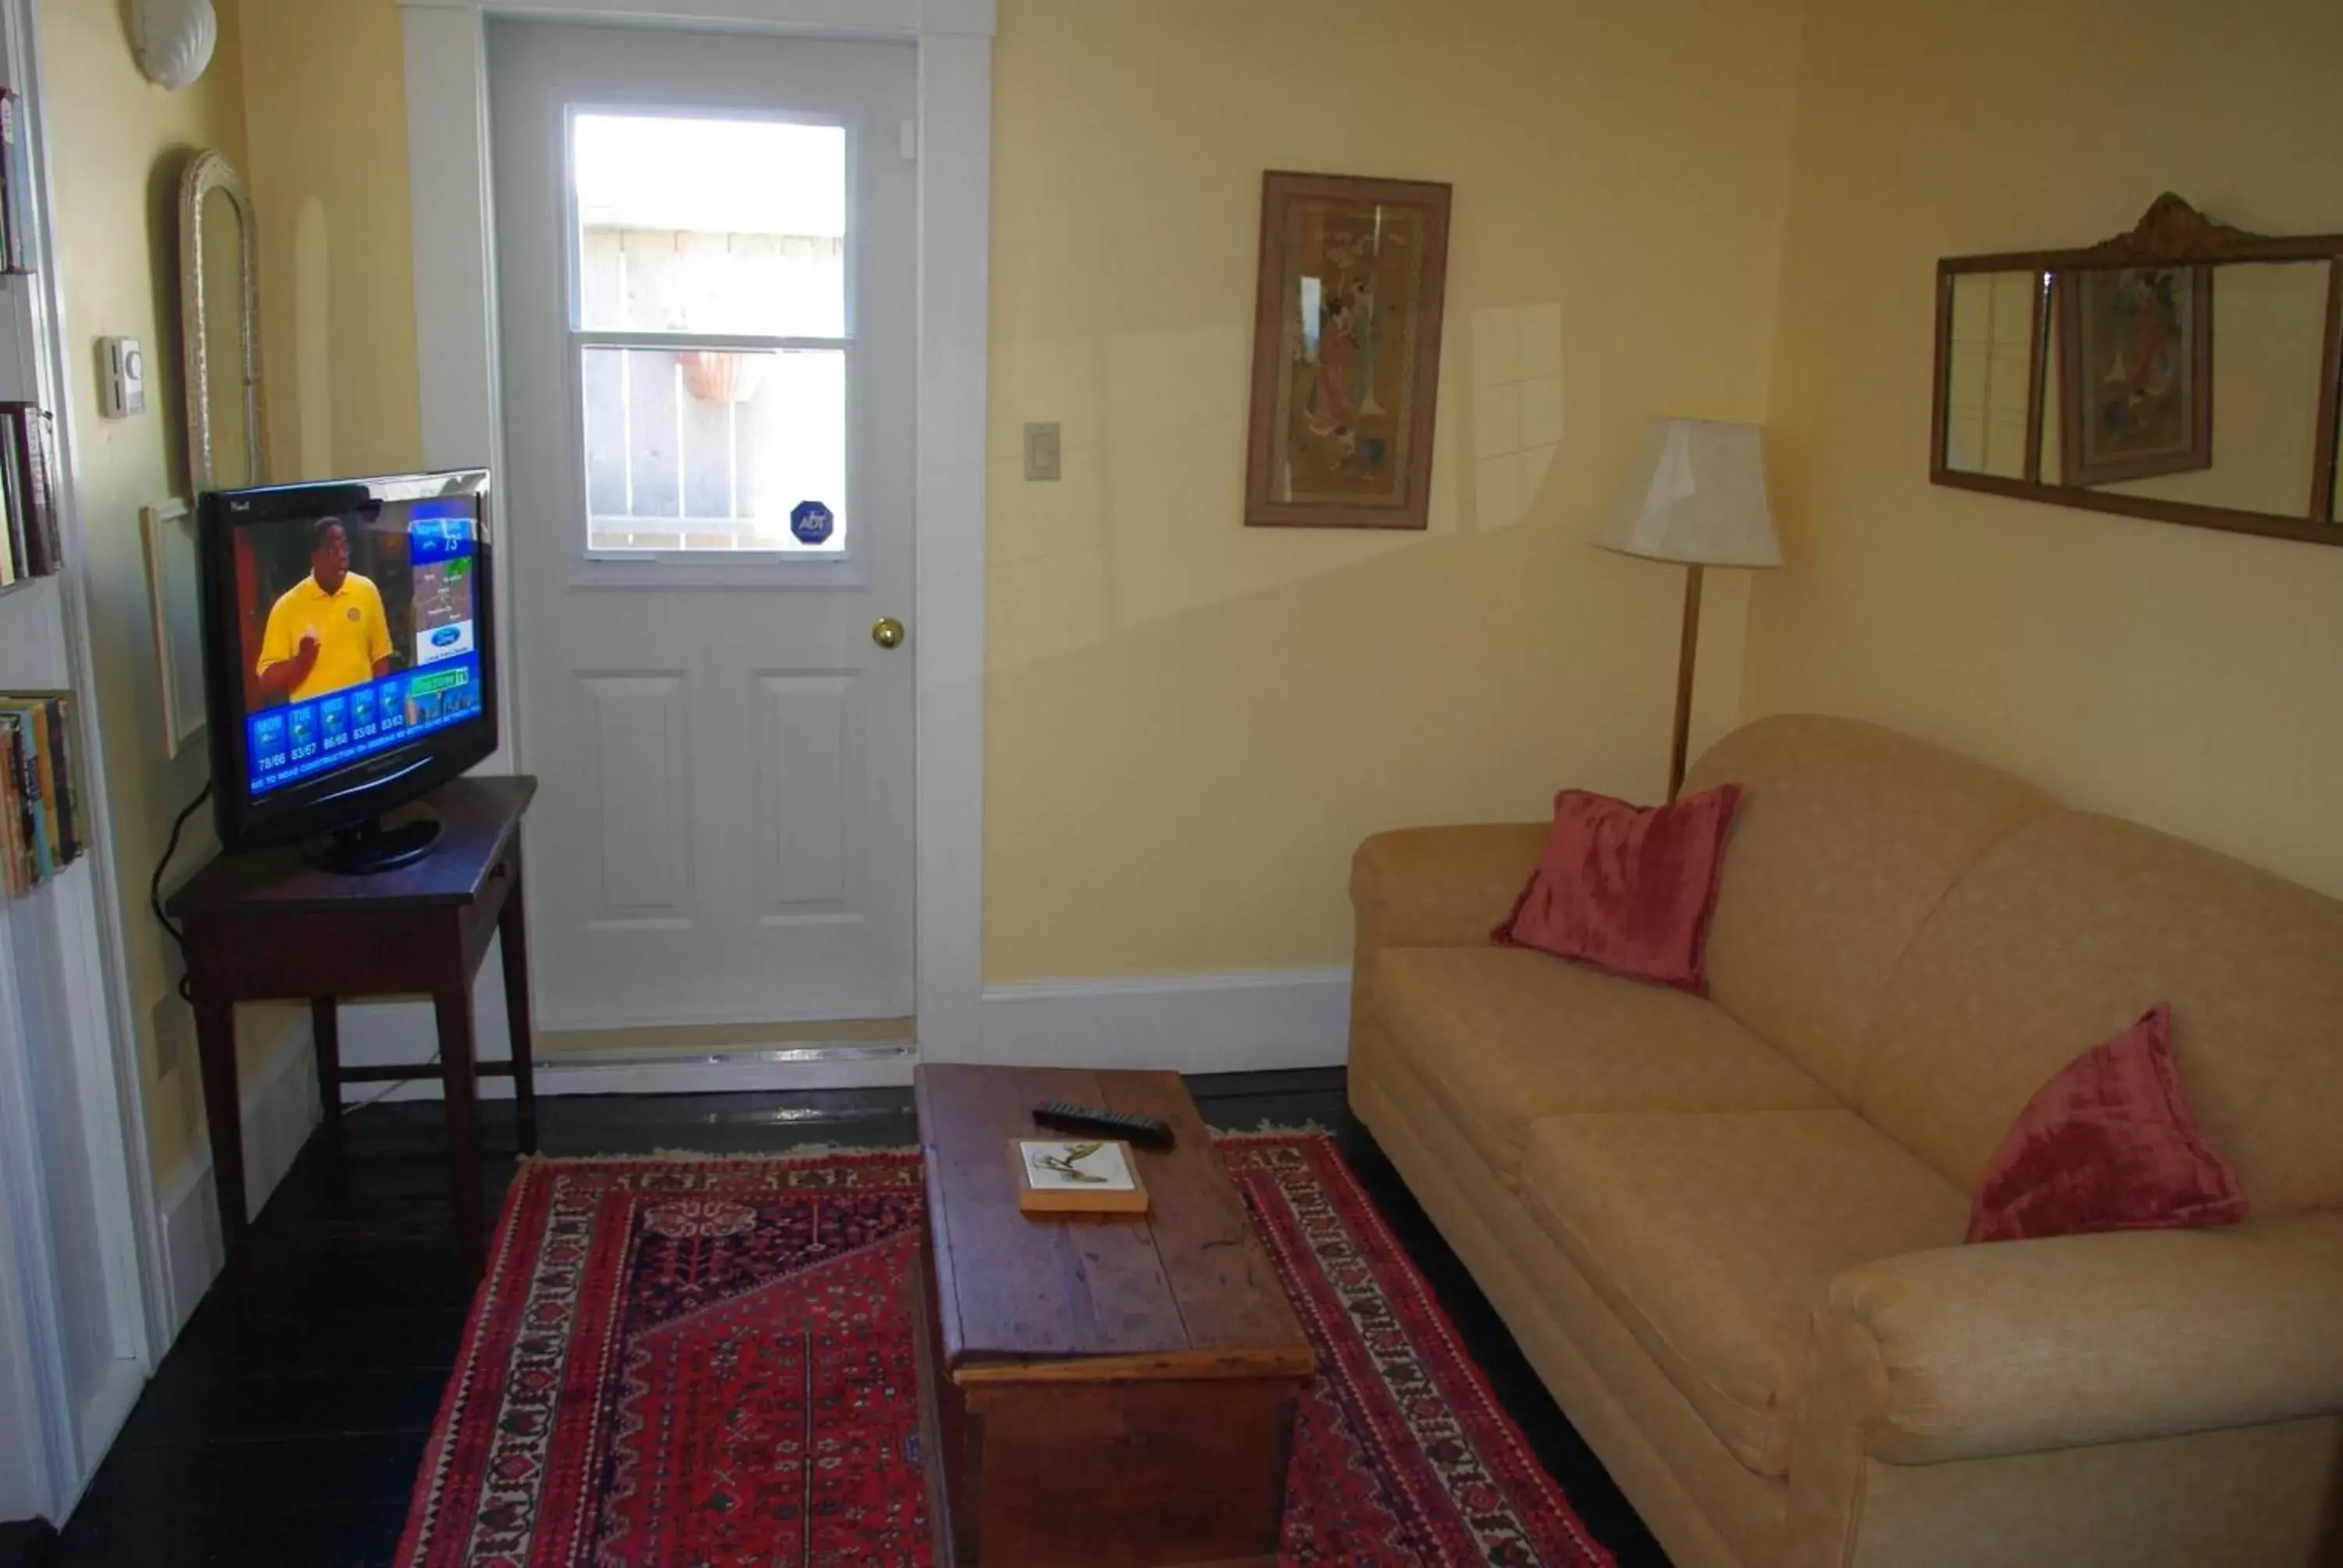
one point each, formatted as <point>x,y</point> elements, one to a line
<point>174,39</point>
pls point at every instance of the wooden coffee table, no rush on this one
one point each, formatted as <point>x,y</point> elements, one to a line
<point>1101,1392</point>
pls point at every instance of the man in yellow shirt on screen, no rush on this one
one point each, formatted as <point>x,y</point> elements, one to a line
<point>327,630</point>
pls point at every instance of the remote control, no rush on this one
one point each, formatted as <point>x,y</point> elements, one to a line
<point>1065,1116</point>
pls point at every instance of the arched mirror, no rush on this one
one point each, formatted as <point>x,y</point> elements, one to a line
<point>219,328</point>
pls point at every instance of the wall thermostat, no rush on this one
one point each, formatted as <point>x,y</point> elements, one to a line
<point>122,377</point>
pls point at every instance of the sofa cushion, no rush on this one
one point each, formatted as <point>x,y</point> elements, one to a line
<point>2061,936</point>
<point>1847,836</point>
<point>2108,1144</point>
<point>1627,889</point>
<point>1714,1237</point>
<point>1502,1037</point>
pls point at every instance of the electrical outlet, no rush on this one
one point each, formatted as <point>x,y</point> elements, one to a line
<point>174,1034</point>
<point>1041,451</point>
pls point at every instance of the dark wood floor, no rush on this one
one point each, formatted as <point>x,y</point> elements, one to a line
<point>291,1436</point>
<point>25,1542</point>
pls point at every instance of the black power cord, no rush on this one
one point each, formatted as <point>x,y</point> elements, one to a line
<point>154,890</point>
<point>185,987</point>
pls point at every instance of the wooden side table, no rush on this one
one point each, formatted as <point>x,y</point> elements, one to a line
<point>271,927</point>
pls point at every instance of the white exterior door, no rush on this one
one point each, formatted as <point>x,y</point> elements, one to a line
<point>705,277</point>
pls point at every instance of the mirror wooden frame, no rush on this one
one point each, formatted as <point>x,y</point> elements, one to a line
<point>206,173</point>
<point>2170,234</point>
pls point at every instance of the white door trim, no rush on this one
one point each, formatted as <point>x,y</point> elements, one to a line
<point>456,350</point>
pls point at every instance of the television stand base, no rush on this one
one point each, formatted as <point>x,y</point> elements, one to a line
<point>370,847</point>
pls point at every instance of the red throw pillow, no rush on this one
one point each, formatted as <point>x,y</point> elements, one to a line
<point>2108,1144</point>
<point>1627,889</point>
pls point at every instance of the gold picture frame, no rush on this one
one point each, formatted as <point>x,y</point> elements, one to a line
<point>2134,372</point>
<point>1346,351</point>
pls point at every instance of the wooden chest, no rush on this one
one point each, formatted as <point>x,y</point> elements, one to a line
<point>1096,1392</point>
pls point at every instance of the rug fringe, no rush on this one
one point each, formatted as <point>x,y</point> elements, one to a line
<point>1268,1129</point>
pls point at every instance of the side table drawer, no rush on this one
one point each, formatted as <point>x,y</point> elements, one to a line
<point>497,883</point>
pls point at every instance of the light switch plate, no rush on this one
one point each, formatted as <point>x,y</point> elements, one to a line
<point>122,377</point>
<point>1041,451</point>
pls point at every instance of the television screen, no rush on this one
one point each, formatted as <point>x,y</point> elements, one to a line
<point>358,635</point>
<point>354,649</point>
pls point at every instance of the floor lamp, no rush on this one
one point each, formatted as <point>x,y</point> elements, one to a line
<point>1697,494</point>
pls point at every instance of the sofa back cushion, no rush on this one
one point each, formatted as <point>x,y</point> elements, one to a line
<point>2066,933</point>
<point>1846,837</point>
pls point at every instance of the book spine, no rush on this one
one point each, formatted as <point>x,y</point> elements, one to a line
<point>12,495</point>
<point>28,766</point>
<point>13,562</point>
<point>44,767</point>
<point>68,797</point>
<point>16,248</point>
<point>10,569</point>
<point>12,807</point>
<point>52,477</point>
<point>25,431</point>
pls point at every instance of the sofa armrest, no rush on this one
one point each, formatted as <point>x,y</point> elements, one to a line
<point>1439,887</point>
<point>2023,1346</point>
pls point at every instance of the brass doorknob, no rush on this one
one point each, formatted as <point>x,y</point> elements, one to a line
<point>886,632</point>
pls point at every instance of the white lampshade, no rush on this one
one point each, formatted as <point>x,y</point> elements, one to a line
<point>1696,494</point>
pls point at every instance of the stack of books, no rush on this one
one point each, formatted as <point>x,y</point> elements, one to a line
<point>28,493</point>
<point>41,822</point>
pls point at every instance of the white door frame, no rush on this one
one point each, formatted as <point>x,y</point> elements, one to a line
<point>51,1448</point>
<point>457,349</point>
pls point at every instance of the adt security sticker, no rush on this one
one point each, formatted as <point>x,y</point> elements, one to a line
<point>811,522</point>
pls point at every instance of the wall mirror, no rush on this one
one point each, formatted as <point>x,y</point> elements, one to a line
<point>2186,371</point>
<point>219,328</point>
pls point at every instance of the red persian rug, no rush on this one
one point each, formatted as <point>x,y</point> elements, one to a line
<point>707,1363</point>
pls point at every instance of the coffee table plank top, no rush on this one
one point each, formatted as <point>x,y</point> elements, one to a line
<point>1184,1291</point>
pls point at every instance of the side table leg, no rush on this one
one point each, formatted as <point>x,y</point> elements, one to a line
<point>224,1115</point>
<point>325,1028</point>
<point>452,1004</point>
<point>512,937</point>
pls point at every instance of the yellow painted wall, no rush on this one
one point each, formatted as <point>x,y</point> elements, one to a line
<point>118,147</point>
<point>1191,724</point>
<point>297,98</point>
<point>325,108</point>
<point>2187,677</point>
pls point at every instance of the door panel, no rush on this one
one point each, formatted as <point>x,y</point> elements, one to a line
<point>644,783</point>
<point>724,831</point>
<point>803,765</point>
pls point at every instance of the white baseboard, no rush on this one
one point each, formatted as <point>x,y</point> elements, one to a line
<point>1243,1022</point>
<point>1246,1021</point>
<point>280,1110</point>
<point>864,1065</point>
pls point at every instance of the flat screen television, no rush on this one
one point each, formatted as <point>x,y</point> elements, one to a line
<point>349,642</point>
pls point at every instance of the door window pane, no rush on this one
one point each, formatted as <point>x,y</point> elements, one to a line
<point>709,451</point>
<point>710,226</point>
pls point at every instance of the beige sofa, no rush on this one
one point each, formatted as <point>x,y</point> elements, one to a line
<point>1728,1232</point>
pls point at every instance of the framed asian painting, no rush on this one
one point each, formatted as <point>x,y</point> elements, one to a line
<point>1346,352</point>
<point>2134,372</point>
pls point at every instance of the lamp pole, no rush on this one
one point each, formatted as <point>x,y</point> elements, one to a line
<point>1687,655</point>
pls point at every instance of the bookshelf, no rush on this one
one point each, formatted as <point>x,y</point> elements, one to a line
<point>84,1299</point>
